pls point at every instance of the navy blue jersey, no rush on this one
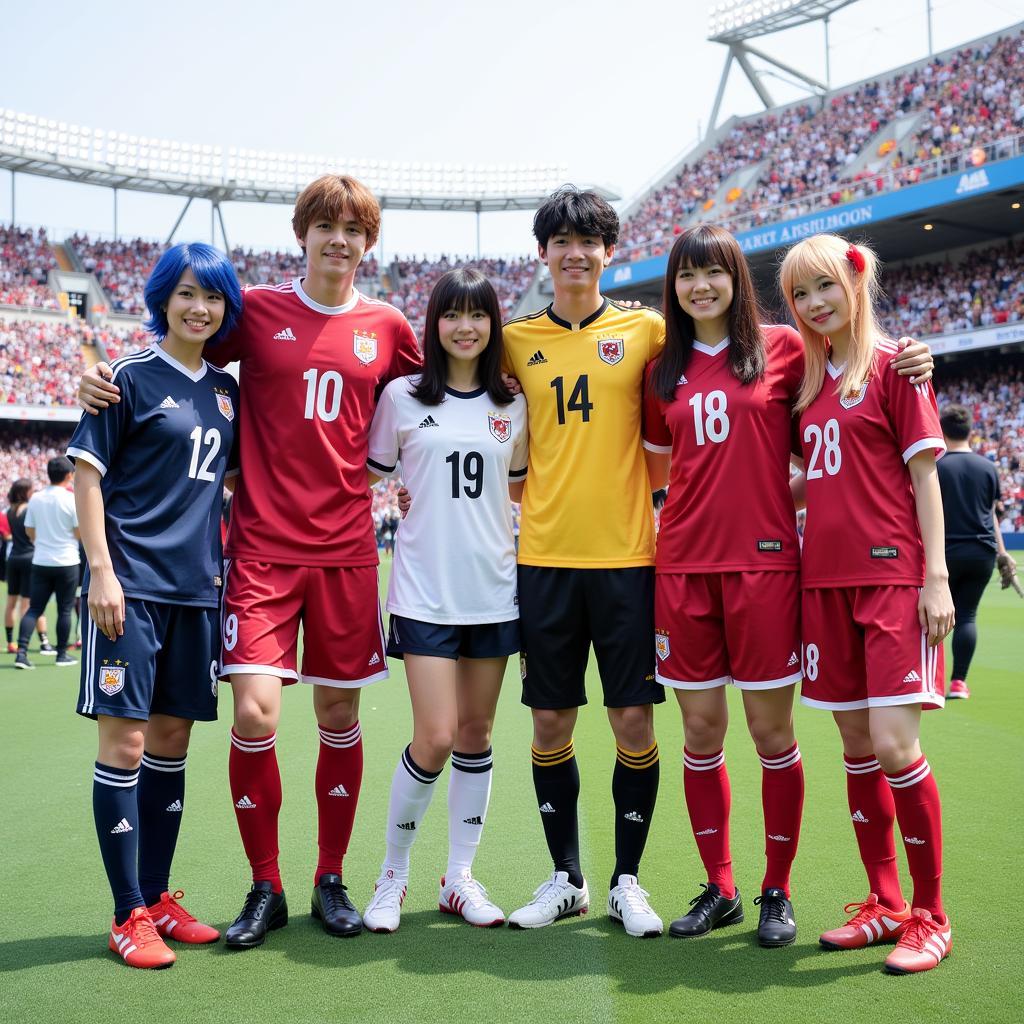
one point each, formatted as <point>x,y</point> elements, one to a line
<point>163,452</point>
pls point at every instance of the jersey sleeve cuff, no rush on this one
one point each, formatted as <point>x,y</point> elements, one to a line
<point>231,473</point>
<point>926,442</point>
<point>517,474</point>
<point>660,449</point>
<point>93,460</point>
<point>379,467</point>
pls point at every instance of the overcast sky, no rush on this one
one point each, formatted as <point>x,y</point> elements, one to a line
<point>615,89</point>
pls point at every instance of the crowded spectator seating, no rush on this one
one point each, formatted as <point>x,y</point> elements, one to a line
<point>273,267</point>
<point>24,453</point>
<point>26,260</point>
<point>966,101</point>
<point>121,267</point>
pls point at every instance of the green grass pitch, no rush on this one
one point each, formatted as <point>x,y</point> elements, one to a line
<point>55,907</point>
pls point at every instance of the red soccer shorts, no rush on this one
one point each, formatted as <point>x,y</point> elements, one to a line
<point>864,648</point>
<point>342,633</point>
<point>729,627</point>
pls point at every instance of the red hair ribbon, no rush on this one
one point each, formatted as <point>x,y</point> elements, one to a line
<point>856,257</point>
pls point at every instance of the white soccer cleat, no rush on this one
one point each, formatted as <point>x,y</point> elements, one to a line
<point>384,911</point>
<point>467,898</point>
<point>555,899</point>
<point>627,904</point>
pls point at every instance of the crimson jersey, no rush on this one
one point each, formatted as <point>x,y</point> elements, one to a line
<point>729,506</point>
<point>310,378</point>
<point>862,527</point>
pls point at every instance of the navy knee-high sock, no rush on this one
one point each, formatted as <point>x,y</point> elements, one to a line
<point>116,813</point>
<point>161,802</point>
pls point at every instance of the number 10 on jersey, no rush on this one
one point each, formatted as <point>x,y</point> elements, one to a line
<point>323,394</point>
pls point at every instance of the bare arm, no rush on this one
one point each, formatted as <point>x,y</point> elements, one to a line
<point>515,490</point>
<point>1000,543</point>
<point>657,468</point>
<point>935,607</point>
<point>30,532</point>
<point>106,599</point>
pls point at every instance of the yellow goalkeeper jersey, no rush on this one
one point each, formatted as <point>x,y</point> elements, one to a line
<point>587,503</point>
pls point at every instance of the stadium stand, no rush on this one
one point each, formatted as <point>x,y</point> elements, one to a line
<point>25,261</point>
<point>121,267</point>
<point>271,267</point>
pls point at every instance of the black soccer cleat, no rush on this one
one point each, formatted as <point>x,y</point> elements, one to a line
<point>333,909</point>
<point>776,926</point>
<point>263,911</point>
<point>710,910</point>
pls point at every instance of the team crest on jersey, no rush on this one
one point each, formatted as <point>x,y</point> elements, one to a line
<point>111,679</point>
<point>225,406</point>
<point>499,426</point>
<point>661,644</point>
<point>364,346</point>
<point>611,350</point>
<point>849,403</point>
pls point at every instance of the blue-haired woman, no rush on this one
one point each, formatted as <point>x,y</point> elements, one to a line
<point>149,480</point>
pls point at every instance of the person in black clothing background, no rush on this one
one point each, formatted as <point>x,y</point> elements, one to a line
<point>18,571</point>
<point>970,490</point>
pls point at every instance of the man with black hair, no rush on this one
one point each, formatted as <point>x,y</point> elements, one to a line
<point>586,551</point>
<point>52,525</point>
<point>974,543</point>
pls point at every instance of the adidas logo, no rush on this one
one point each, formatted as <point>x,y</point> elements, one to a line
<point>858,816</point>
<point>429,422</point>
<point>174,808</point>
<point>339,790</point>
<point>793,660</point>
<point>475,820</point>
<point>169,403</point>
<point>121,827</point>
<point>536,359</point>
<point>707,832</point>
<point>633,816</point>
<point>245,804</point>
<point>911,677</point>
<point>374,659</point>
<point>409,826</point>
<point>913,840</point>
<point>546,808</point>
<point>780,839</point>
<point>286,335</point>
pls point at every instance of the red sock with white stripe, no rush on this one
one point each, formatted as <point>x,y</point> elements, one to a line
<point>873,813</point>
<point>919,814</point>
<point>339,775</point>
<point>708,802</point>
<point>782,798</point>
<point>255,782</point>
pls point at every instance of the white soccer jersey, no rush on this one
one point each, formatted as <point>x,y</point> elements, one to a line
<point>455,559</point>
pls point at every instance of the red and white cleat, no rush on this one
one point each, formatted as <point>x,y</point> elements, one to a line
<point>924,944</point>
<point>467,898</point>
<point>138,944</point>
<point>871,923</point>
<point>958,690</point>
<point>173,921</point>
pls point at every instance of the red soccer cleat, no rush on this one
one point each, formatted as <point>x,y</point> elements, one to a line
<point>924,944</point>
<point>138,944</point>
<point>871,923</point>
<point>958,690</point>
<point>173,921</point>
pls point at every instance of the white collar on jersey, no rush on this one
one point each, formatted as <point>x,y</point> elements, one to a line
<point>712,350</point>
<point>835,372</point>
<point>181,367</point>
<point>327,310</point>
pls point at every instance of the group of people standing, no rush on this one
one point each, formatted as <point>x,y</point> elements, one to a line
<point>589,398</point>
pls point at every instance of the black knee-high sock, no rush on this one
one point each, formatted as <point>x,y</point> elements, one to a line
<point>161,802</point>
<point>556,780</point>
<point>634,791</point>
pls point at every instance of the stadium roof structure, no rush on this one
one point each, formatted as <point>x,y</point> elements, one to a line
<point>734,22</point>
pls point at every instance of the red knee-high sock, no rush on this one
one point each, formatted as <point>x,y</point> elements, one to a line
<point>339,774</point>
<point>256,793</point>
<point>708,801</point>
<point>782,798</point>
<point>873,812</point>
<point>919,814</point>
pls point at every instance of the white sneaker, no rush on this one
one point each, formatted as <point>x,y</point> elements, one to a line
<point>555,899</point>
<point>466,897</point>
<point>627,904</point>
<point>384,911</point>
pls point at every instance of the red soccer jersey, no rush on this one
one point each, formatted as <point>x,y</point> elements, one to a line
<point>862,527</point>
<point>729,505</point>
<point>310,378</point>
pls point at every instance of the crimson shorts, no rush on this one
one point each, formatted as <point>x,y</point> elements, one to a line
<point>727,627</point>
<point>338,606</point>
<point>864,648</point>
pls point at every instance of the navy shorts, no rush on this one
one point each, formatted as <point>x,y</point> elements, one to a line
<point>164,664</point>
<point>481,640</point>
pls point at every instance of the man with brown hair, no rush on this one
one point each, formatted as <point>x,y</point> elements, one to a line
<point>314,355</point>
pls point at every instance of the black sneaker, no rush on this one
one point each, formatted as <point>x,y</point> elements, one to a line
<point>21,661</point>
<point>710,910</point>
<point>776,926</point>
<point>263,911</point>
<point>63,660</point>
<point>332,907</point>
<point>47,648</point>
